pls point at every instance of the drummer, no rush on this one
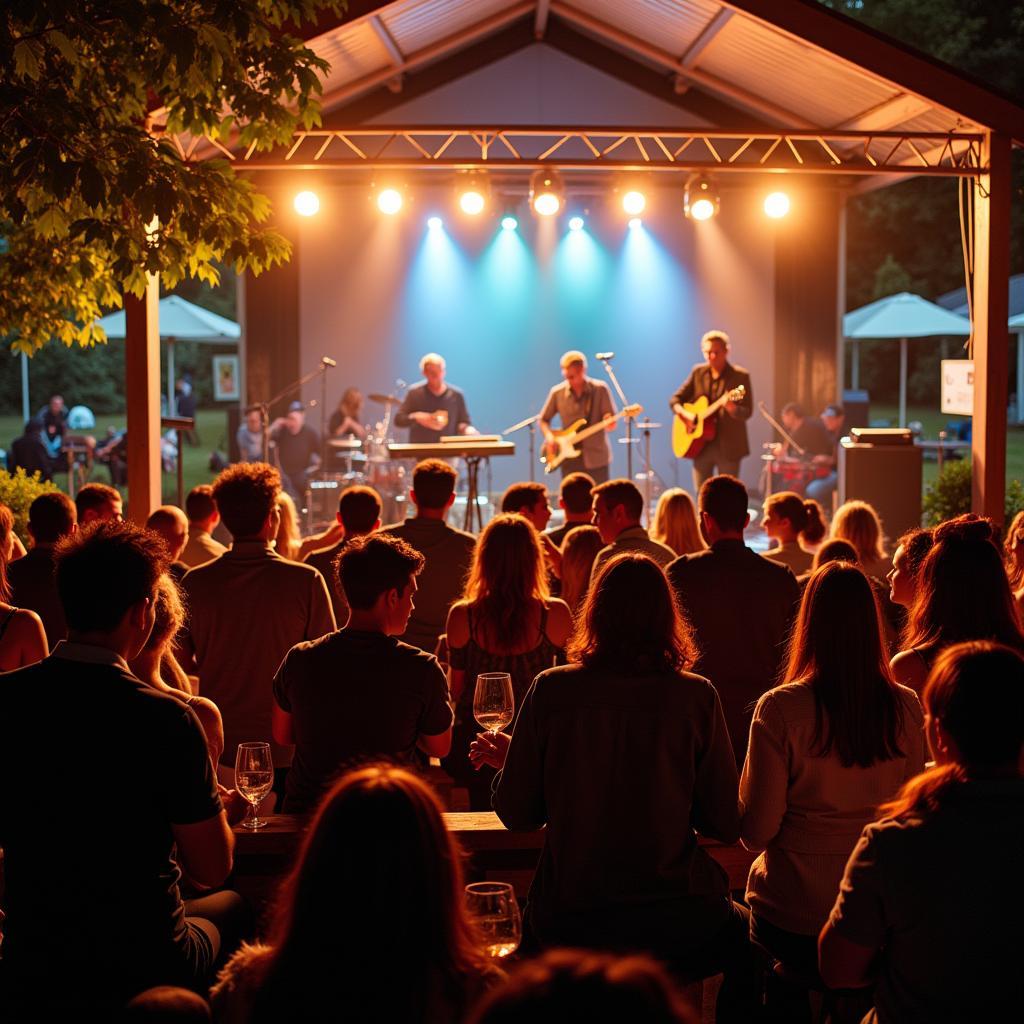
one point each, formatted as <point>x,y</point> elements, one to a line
<point>346,420</point>
<point>433,409</point>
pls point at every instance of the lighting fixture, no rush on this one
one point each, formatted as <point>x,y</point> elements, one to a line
<point>547,193</point>
<point>509,223</point>
<point>575,223</point>
<point>389,201</point>
<point>635,222</point>
<point>701,200</point>
<point>633,203</point>
<point>434,223</point>
<point>307,204</point>
<point>776,205</point>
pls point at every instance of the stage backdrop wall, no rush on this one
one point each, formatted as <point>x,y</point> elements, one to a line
<point>376,293</point>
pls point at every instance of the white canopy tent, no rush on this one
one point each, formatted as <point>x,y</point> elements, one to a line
<point>180,320</point>
<point>904,316</point>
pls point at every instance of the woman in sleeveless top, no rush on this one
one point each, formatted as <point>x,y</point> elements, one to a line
<point>963,594</point>
<point>22,637</point>
<point>506,622</point>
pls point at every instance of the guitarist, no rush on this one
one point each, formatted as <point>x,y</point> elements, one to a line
<point>581,397</point>
<point>722,454</point>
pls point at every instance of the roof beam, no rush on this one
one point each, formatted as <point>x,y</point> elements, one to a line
<point>844,39</point>
<point>888,114</point>
<point>706,37</point>
<point>387,40</point>
<point>670,63</point>
<point>427,55</point>
<point>540,19</point>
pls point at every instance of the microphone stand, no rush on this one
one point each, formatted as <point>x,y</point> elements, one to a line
<point>531,422</point>
<point>629,419</point>
<point>264,407</point>
<point>769,460</point>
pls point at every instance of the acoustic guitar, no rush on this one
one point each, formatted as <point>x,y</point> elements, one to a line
<point>692,432</point>
<point>563,445</point>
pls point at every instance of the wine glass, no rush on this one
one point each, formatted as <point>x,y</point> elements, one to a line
<point>493,702</point>
<point>254,778</point>
<point>493,907</point>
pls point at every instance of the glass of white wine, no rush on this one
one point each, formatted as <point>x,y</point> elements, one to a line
<point>493,907</point>
<point>254,778</point>
<point>493,701</point>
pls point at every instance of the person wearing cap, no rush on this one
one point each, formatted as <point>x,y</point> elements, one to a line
<point>433,409</point>
<point>296,450</point>
<point>822,489</point>
<point>581,397</point>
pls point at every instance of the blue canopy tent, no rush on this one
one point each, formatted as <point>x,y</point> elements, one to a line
<point>902,316</point>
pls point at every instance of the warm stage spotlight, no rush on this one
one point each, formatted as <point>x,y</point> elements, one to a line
<point>633,203</point>
<point>547,193</point>
<point>700,201</point>
<point>307,204</point>
<point>575,223</point>
<point>471,203</point>
<point>776,205</point>
<point>389,201</point>
<point>434,223</point>
<point>473,191</point>
<point>509,223</point>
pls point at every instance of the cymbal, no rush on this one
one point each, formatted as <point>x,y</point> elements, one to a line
<point>383,399</point>
<point>348,443</point>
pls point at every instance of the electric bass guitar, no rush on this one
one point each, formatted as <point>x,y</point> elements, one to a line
<point>562,446</point>
<point>691,432</point>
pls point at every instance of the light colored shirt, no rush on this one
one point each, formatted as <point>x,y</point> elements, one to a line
<point>634,540</point>
<point>200,548</point>
<point>592,405</point>
<point>247,609</point>
<point>793,555</point>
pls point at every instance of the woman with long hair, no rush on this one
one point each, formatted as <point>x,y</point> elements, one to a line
<point>624,755</point>
<point>826,748</point>
<point>788,518</point>
<point>289,539</point>
<point>157,666</point>
<point>858,522</point>
<point>963,594</point>
<point>22,637</point>
<point>908,558</point>
<point>506,621</point>
<point>370,923</point>
<point>675,522</point>
<point>579,549</point>
<point>346,420</point>
<point>1013,546</point>
<point>927,908</point>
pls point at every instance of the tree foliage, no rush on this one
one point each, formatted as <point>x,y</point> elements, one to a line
<point>94,192</point>
<point>910,232</point>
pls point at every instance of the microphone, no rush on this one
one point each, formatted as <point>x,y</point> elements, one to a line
<point>327,361</point>
<point>604,356</point>
<point>400,384</point>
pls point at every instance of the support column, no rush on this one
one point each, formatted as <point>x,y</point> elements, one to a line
<point>142,391</point>
<point>991,336</point>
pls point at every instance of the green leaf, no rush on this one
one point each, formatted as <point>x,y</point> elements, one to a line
<point>52,223</point>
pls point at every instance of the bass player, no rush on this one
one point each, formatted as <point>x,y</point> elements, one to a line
<point>712,380</point>
<point>581,397</point>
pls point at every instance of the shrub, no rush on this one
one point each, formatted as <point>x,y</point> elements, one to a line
<point>17,492</point>
<point>950,495</point>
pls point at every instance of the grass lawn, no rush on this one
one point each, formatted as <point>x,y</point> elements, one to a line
<point>212,426</point>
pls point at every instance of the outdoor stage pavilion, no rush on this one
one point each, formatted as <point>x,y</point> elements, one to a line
<point>757,95</point>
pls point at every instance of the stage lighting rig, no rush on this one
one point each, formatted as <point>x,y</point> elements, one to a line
<point>634,202</point>
<point>776,205</point>
<point>547,192</point>
<point>390,200</point>
<point>474,193</point>
<point>700,200</point>
<point>307,204</point>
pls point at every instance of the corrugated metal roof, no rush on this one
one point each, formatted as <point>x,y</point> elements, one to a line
<point>755,65</point>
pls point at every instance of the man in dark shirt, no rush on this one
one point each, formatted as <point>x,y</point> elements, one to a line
<point>433,409</point>
<point>30,453</point>
<point>740,605</point>
<point>296,450</point>
<point>51,517</point>
<point>448,552</point>
<point>93,921</point>
<point>809,433</point>
<point>360,693</point>
<point>358,514</point>
<point>574,500</point>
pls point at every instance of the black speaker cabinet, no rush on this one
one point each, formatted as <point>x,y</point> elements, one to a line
<point>885,473</point>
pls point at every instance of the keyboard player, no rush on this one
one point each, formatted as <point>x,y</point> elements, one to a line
<point>433,409</point>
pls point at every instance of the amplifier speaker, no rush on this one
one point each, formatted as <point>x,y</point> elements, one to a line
<point>886,475</point>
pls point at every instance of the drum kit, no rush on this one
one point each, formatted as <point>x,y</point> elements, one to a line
<point>366,461</point>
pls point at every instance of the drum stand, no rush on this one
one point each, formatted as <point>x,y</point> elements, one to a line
<point>472,491</point>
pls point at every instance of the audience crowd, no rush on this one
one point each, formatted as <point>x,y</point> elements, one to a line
<point>854,717</point>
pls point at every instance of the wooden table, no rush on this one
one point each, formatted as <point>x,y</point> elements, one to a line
<point>262,857</point>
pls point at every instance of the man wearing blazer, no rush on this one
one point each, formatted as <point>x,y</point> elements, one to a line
<point>713,379</point>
